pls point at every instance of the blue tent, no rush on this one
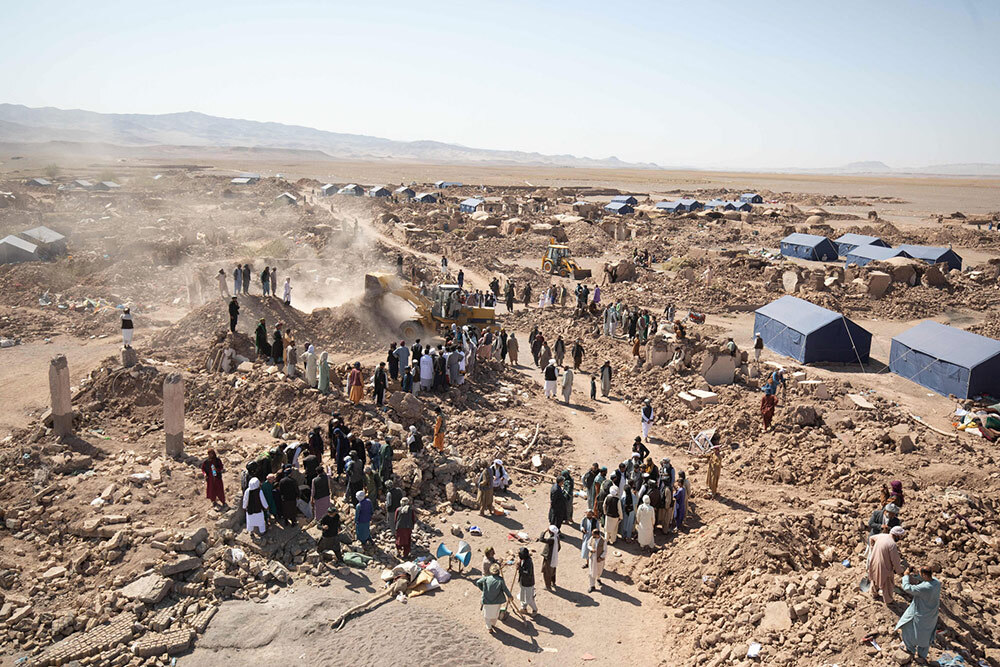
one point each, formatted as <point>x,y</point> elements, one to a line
<point>426,198</point>
<point>849,242</point>
<point>808,246</point>
<point>669,206</point>
<point>872,253</point>
<point>751,198</point>
<point>810,334</point>
<point>947,360</point>
<point>470,205</point>
<point>625,199</point>
<point>934,255</point>
<point>714,203</point>
<point>621,208</point>
<point>689,204</point>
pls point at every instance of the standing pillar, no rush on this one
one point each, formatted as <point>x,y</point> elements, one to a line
<point>62,404</point>
<point>173,413</point>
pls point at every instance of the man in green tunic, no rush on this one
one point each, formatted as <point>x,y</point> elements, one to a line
<point>916,625</point>
<point>495,594</point>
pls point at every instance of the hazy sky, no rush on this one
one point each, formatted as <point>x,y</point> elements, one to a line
<point>698,83</point>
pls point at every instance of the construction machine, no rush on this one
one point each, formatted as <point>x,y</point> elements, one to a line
<point>442,308</point>
<point>557,260</point>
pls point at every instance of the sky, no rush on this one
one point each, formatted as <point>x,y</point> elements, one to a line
<point>710,84</point>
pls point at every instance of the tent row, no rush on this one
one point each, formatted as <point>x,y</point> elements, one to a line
<point>944,359</point>
<point>861,249</point>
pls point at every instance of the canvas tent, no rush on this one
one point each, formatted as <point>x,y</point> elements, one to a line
<point>864,254</point>
<point>849,242</point>
<point>808,246</point>
<point>50,242</point>
<point>934,255</point>
<point>621,208</point>
<point>470,205</point>
<point>14,250</point>
<point>625,199</point>
<point>810,334</point>
<point>947,360</point>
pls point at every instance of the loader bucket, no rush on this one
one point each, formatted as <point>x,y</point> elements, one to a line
<point>580,274</point>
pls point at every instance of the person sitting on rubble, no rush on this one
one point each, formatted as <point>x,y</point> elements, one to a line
<point>731,348</point>
<point>679,331</point>
<point>501,479</point>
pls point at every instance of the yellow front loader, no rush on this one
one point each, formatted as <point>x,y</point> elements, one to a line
<point>434,313</point>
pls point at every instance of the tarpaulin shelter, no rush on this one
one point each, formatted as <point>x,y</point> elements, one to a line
<point>947,360</point>
<point>849,242</point>
<point>808,246</point>
<point>625,199</point>
<point>470,205</point>
<point>809,334</point>
<point>621,208</point>
<point>934,255</point>
<point>864,254</point>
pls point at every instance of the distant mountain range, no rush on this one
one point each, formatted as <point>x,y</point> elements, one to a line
<point>875,167</point>
<point>20,124</point>
<point>68,129</point>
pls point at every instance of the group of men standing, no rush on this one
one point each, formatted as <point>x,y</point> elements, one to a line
<point>241,283</point>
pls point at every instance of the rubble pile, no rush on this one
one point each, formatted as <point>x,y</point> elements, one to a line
<point>790,581</point>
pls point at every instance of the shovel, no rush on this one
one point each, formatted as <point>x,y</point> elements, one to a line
<point>865,585</point>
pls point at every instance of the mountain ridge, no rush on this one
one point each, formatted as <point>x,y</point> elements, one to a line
<point>22,124</point>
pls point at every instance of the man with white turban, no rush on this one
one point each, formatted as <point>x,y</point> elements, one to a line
<point>255,505</point>
<point>551,375</point>
<point>885,563</point>
<point>501,479</point>
<point>550,556</point>
<point>612,513</point>
<point>645,519</point>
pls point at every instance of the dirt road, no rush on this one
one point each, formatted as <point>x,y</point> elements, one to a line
<point>25,392</point>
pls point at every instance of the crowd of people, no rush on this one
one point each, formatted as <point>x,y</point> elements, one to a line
<point>292,482</point>
<point>629,503</point>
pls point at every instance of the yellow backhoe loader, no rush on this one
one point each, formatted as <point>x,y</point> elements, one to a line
<point>434,313</point>
<point>557,260</point>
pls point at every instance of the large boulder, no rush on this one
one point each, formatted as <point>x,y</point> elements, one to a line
<point>409,409</point>
<point>878,283</point>
<point>621,271</point>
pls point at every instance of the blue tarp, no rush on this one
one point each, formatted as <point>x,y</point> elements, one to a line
<point>947,360</point>
<point>625,199</point>
<point>872,253</point>
<point>809,333</point>
<point>849,242</point>
<point>934,255</point>
<point>808,246</point>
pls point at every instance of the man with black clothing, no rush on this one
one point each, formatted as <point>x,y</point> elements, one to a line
<point>288,491</point>
<point>234,314</point>
<point>330,540</point>
<point>380,382</point>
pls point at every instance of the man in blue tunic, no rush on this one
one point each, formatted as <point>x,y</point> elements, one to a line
<point>916,625</point>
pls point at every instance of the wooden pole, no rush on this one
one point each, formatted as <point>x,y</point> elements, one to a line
<point>533,472</point>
